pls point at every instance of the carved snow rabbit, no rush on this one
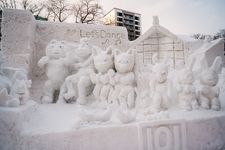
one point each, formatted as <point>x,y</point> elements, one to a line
<point>208,94</point>
<point>124,93</point>
<point>160,86</point>
<point>186,91</point>
<point>103,62</point>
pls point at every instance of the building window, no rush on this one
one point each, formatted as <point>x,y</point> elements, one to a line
<point>137,28</point>
<point>119,24</point>
<point>119,19</point>
<point>137,18</point>
<point>136,23</point>
<point>119,14</point>
<point>136,32</point>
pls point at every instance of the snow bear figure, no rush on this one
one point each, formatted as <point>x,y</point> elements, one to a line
<point>186,91</point>
<point>209,91</point>
<point>78,85</point>
<point>124,93</point>
<point>103,62</point>
<point>56,66</point>
<point>160,87</point>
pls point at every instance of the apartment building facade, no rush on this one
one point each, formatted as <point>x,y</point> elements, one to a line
<point>128,19</point>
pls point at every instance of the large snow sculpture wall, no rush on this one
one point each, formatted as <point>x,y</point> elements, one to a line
<point>25,39</point>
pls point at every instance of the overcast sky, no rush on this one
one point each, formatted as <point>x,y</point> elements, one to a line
<point>179,16</point>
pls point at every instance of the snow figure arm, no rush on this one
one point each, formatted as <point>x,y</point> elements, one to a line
<point>43,61</point>
<point>217,91</point>
<point>95,77</point>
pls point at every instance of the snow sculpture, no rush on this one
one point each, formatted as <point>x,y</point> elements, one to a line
<point>186,91</point>
<point>56,65</point>
<point>160,87</point>
<point>78,85</point>
<point>14,86</point>
<point>20,86</point>
<point>124,93</point>
<point>208,94</point>
<point>103,62</point>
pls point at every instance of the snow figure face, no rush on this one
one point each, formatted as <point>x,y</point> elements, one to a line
<point>55,49</point>
<point>124,62</point>
<point>103,60</point>
<point>161,72</point>
<point>84,49</point>
<point>210,76</point>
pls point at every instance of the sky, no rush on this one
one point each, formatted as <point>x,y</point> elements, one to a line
<point>178,16</point>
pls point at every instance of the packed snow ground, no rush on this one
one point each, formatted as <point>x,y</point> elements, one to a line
<point>54,118</point>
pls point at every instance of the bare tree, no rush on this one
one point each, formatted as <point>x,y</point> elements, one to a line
<point>87,11</point>
<point>196,36</point>
<point>8,4</point>
<point>34,8</point>
<point>220,34</point>
<point>57,10</point>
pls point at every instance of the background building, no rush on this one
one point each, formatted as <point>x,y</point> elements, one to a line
<point>130,20</point>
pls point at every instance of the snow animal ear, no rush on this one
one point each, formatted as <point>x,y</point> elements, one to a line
<point>217,64</point>
<point>109,50</point>
<point>155,58</point>
<point>95,50</point>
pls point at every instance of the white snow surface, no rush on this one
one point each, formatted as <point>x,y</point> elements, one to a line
<point>54,118</point>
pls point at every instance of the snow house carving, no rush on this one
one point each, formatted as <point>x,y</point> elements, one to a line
<point>161,41</point>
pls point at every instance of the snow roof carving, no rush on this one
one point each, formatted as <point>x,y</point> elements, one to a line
<point>156,29</point>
